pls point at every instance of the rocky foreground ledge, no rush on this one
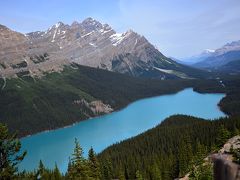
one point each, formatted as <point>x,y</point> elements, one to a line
<point>223,162</point>
<point>224,166</point>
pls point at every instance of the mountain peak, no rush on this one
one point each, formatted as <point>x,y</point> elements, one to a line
<point>233,43</point>
<point>130,31</point>
<point>55,26</point>
<point>75,23</point>
<point>91,24</point>
<point>2,27</point>
<point>90,21</point>
<point>59,24</point>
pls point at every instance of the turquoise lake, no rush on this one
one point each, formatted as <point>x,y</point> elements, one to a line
<point>56,146</point>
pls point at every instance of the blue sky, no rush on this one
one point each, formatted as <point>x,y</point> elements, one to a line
<point>179,28</point>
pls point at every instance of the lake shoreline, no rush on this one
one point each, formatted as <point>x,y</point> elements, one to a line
<point>116,110</point>
<point>102,131</point>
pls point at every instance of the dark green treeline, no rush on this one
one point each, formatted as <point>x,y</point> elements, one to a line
<point>167,151</point>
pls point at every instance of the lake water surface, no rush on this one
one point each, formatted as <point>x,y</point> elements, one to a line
<point>100,132</point>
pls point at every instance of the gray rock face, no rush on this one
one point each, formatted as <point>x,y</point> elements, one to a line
<point>13,46</point>
<point>88,43</point>
<point>23,54</point>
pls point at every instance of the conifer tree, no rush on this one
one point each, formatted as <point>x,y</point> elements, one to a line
<point>79,169</point>
<point>139,175</point>
<point>41,167</point>
<point>126,173</point>
<point>121,175</point>
<point>10,155</point>
<point>69,173</point>
<point>93,165</point>
<point>185,155</point>
<point>200,153</point>
<point>56,173</point>
<point>222,136</point>
<point>42,171</point>
<point>107,170</point>
<point>183,158</point>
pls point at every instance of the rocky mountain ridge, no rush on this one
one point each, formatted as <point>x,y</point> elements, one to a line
<point>89,43</point>
<point>220,57</point>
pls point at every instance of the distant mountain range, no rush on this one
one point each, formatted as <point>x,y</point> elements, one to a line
<point>197,58</point>
<point>226,58</point>
<point>89,43</point>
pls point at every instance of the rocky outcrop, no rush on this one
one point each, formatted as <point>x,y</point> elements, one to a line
<point>231,144</point>
<point>98,107</point>
<point>223,166</point>
<point>93,108</point>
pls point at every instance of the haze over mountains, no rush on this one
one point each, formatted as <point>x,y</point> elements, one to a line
<point>197,58</point>
<point>226,58</point>
<point>88,43</point>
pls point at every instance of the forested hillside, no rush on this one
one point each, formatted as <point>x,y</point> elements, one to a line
<point>230,85</point>
<point>31,105</point>
<point>169,150</point>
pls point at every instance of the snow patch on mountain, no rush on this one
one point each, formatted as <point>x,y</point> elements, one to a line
<point>209,51</point>
<point>164,70</point>
<point>57,25</point>
<point>54,35</point>
<point>92,44</point>
<point>85,35</point>
<point>173,72</point>
<point>116,38</point>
